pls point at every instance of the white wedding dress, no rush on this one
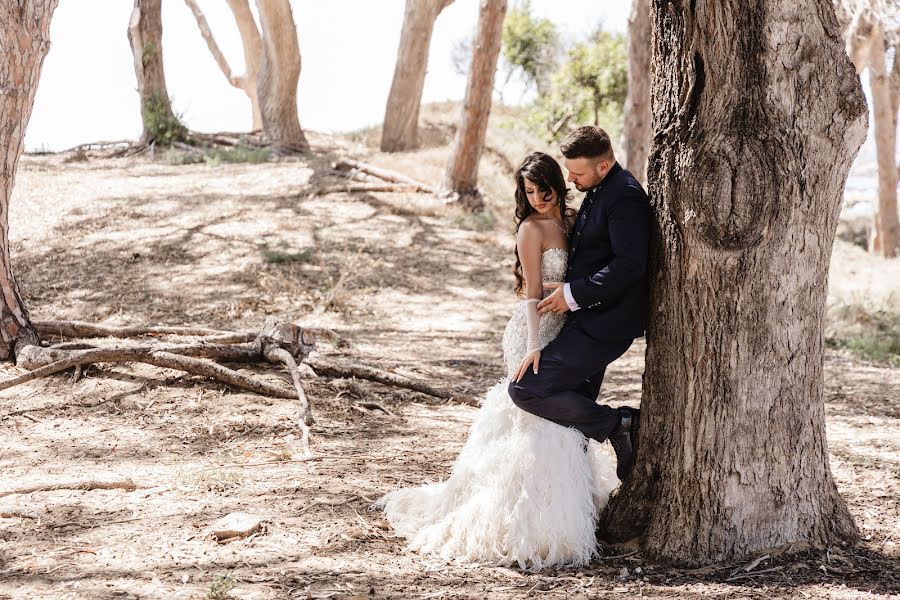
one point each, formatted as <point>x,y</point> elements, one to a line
<point>523,491</point>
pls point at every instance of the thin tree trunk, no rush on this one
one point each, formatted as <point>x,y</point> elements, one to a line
<point>885,236</point>
<point>637,118</point>
<point>461,177</point>
<point>859,37</point>
<point>252,43</point>
<point>757,126</point>
<point>279,74</point>
<point>246,82</point>
<point>161,126</point>
<point>401,116</point>
<point>25,40</point>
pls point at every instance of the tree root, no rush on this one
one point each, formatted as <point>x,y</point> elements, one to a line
<point>126,484</point>
<point>323,366</point>
<point>277,343</point>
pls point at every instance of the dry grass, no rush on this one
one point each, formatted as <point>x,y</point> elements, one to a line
<point>406,290</point>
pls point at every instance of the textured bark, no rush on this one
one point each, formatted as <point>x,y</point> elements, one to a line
<point>145,36</point>
<point>25,40</point>
<point>252,48</point>
<point>758,115</point>
<point>401,117</point>
<point>279,74</point>
<point>461,177</point>
<point>637,118</point>
<point>885,236</point>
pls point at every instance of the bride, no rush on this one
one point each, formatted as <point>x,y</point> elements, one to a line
<point>523,491</point>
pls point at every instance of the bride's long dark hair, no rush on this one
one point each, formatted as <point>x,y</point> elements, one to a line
<point>542,170</point>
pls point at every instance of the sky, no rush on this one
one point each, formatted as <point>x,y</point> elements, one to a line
<point>87,91</point>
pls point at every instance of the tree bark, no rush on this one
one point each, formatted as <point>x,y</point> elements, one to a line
<point>145,35</point>
<point>25,39</point>
<point>401,117</point>
<point>637,118</point>
<point>278,76</point>
<point>461,177</point>
<point>885,236</point>
<point>252,48</point>
<point>758,115</point>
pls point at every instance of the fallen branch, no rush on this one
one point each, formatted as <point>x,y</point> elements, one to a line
<point>354,188</point>
<point>384,174</point>
<point>126,484</point>
<point>82,329</point>
<point>194,366</point>
<point>323,366</point>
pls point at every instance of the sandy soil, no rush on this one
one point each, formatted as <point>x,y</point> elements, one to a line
<point>406,289</point>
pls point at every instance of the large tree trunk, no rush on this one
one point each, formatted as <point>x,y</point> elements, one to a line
<point>885,236</point>
<point>757,121</point>
<point>636,141</point>
<point>279,74</point>
<point>401,117</point>
<point>145,35</point>
<point>252,49</point>
<point>461,177</point>
<point>25,39</point>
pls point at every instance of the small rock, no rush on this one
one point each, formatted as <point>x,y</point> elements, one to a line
<point>235,525</point>
<point>623,574</point>
<point>638,570</point>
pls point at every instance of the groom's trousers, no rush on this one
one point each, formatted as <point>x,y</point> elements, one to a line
<point>569,375</point>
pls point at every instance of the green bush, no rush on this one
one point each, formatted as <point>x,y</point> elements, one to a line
<point>162,126</point>
<point>589,88</point>
<point>530,47</point>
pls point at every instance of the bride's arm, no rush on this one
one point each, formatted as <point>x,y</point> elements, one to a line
<point>528,244</point>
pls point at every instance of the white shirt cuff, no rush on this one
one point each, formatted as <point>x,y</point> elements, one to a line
<point>573,306</point>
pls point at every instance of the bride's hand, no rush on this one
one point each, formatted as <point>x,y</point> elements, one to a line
<point>532,359</point>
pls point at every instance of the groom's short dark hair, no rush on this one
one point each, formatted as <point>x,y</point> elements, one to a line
<point>586,142</point>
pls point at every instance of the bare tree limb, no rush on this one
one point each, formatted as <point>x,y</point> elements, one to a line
<point>76,329</point>
<point>353,188</point>
<point>126,484</point>
<point>157,358</point>
<point>323,366</point>
<point>385,174</point>
<point>210,40</point>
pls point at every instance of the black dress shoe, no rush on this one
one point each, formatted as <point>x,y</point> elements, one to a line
<point>624,440</point>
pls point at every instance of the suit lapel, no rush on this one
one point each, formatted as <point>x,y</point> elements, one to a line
<point>583,214</point>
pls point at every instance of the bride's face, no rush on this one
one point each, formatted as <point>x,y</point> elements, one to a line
<point>542,202</point>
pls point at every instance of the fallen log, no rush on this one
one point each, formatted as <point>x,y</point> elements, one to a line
<point>385,174</point>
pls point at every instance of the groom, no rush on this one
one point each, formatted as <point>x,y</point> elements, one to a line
<point>605,295</point>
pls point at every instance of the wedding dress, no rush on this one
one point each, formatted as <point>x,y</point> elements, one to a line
<point>523,490</point>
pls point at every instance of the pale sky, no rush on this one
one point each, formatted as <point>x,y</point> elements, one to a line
<point>87,90</point>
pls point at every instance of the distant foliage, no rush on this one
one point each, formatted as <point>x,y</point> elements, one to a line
<point>530,47</point>
<point>589,88</point>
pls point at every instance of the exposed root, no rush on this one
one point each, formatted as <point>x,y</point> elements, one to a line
<point>125,484</point>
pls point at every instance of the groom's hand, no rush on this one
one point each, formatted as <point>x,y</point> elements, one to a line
<point>555,302</point>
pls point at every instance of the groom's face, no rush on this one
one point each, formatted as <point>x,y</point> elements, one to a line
<point>585,172</point>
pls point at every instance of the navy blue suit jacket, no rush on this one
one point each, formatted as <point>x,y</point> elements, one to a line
<point>607,271</point>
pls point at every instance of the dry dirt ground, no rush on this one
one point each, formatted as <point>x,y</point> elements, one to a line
<point>407,286</point>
